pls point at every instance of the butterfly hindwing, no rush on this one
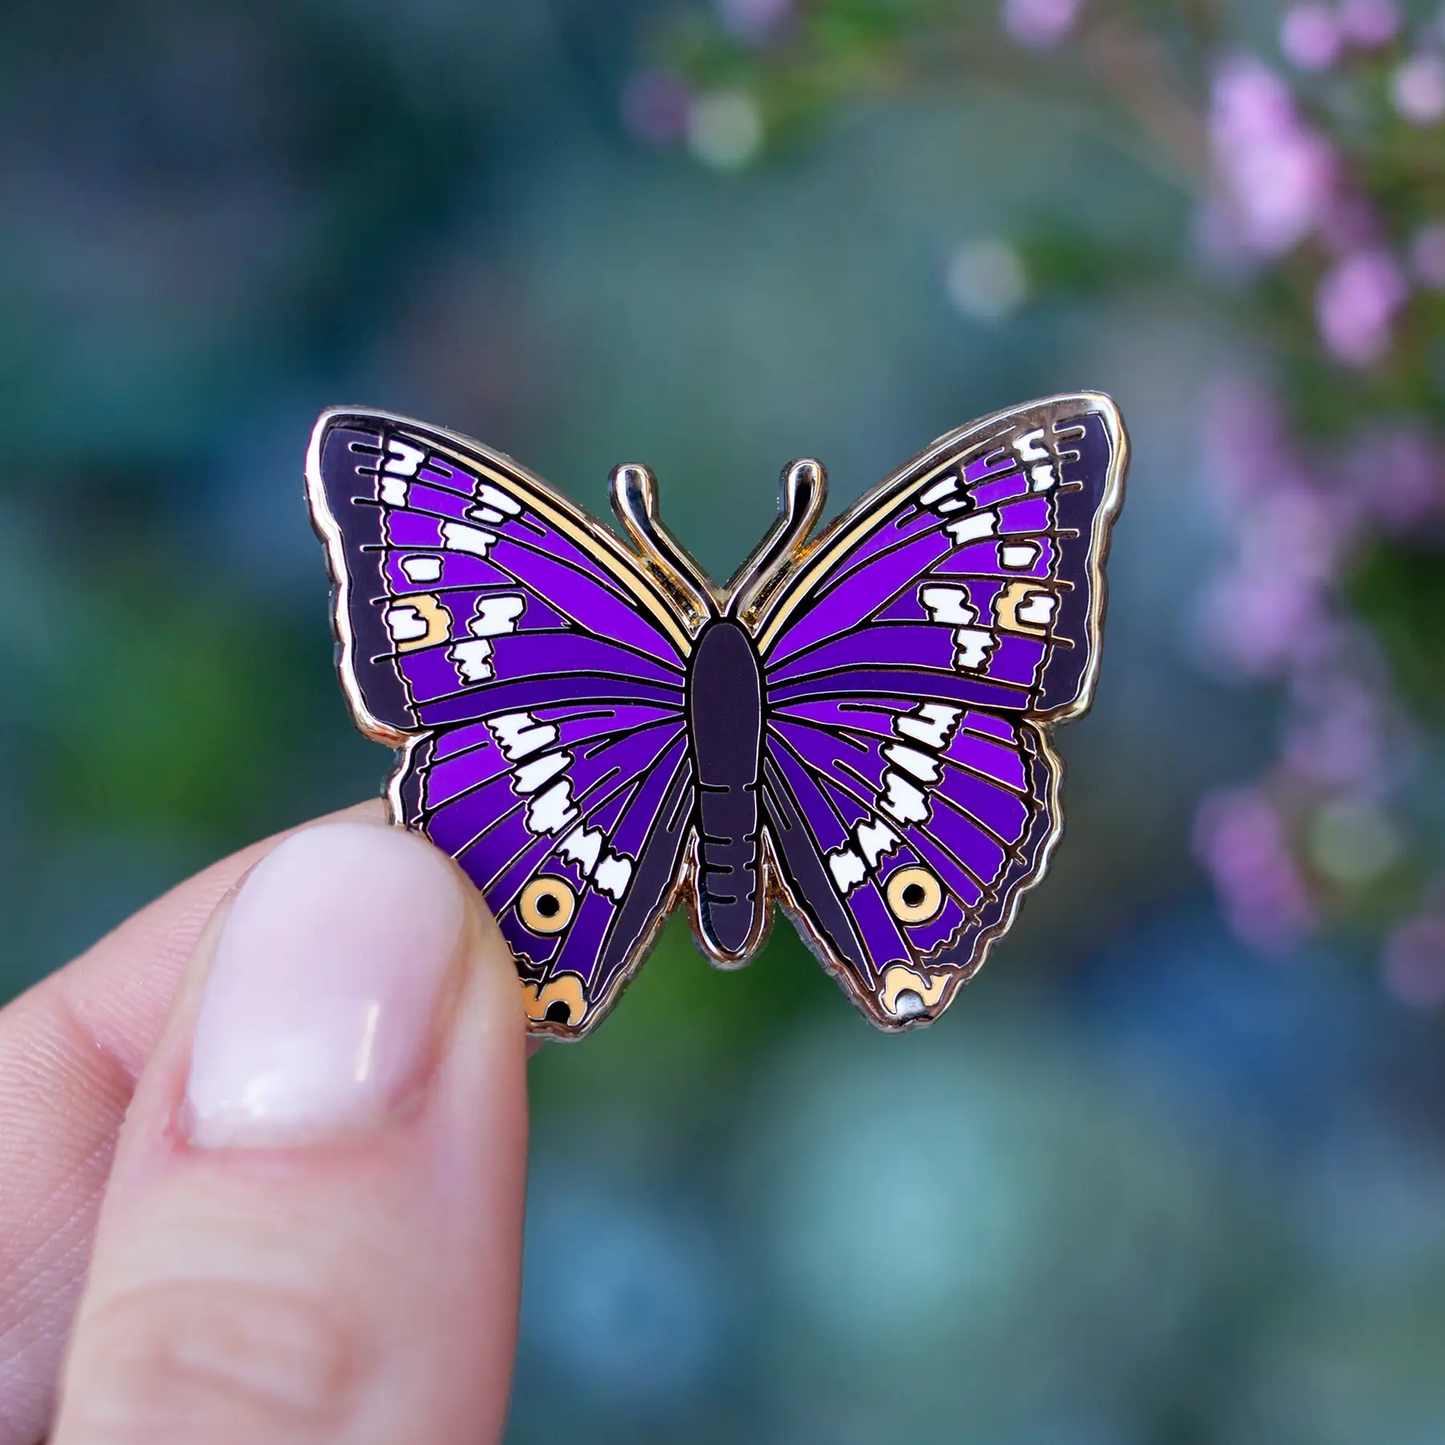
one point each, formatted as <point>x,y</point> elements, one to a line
<point>912,661</point>
<point>573,820</point>
<point>916,841</point>
<point>534,674</point>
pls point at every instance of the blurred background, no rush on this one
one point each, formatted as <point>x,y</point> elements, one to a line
<point>1180,1152</point>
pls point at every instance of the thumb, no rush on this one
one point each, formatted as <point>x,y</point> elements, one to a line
<point>312,1231</point>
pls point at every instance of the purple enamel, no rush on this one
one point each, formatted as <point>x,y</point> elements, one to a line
<point>927,646</point>
<point>457,570</point>
<point>601,687</point>
<point>1029,516</point>
<point>582,597</point>
<point>991,723</point>
<point>1016,659</point>
<point>1005,814</point>
<point>998,459</point>
<point>952,829</point>
<point>912,522</point>
<point>883,935</point>
<point>925,937</point>
<point>569,718</point>
<point>1000,489</point>
<point>1002,764</point>
<point>444,474</point>
<point>959,882</point>
<point>862,594</point>
<point>988,559</point>
<point>946,687</point>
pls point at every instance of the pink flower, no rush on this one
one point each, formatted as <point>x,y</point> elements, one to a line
<point>1039,24</point>
<point>655,107</point>
<point>1344,733</point>
<point>1415,962</point>
<point>1277,175</point>
<point>1418,89</point>
<point>1356,303</point>
<point>1310,36</point>
<point>1255,618</point>
<point>1427,255</point>
<point>1247,625</point>
<point>1397,476</point>
<point>1369,23</point>
<point>1292,532</point>
<point>1340,747</point>
<point>754,19</point>
<point>1246,444</point>
<point>1288,534</point>
<point>1239,840</point>
<point>1349,223</point>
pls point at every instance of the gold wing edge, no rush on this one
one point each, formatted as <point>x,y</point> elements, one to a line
<point>794,580</point>
<point>778,599</point>
<point>661,598</point>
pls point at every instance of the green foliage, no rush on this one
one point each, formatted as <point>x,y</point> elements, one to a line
<point>1398,587</point>
<point>168,715</point>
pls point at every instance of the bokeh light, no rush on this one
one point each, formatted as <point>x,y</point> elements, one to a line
<point>1174,1166</point>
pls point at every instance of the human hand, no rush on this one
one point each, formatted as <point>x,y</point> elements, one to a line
<point>262,1160</point>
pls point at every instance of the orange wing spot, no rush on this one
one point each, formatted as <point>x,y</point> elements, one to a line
<point>547,905</point>
<point>418,620</point>
<point>900,979</point>
<point>1025,607</point>
<point>546,1002</point>
<point>914,895</point>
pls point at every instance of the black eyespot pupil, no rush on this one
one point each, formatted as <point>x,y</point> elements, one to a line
<point>559,1013</point>
<point>549,906</point>
<point>913,895</point>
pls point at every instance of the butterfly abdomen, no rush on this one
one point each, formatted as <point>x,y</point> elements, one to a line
<point>725,719</point>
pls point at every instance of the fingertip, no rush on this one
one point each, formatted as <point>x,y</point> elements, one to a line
<point>326,988</point>
<point>333,1127</point>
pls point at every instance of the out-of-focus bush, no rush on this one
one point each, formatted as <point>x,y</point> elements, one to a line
<point>1309,146</point>
<point>1146,1182</point>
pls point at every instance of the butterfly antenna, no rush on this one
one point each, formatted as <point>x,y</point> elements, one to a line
<point>634,499</point>
<point>802,490</point>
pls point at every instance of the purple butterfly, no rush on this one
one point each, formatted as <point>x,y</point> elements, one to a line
<point>855,726</point>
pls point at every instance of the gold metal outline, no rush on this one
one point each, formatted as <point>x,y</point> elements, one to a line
<point>563,513</point>
<point>768,603</point>
<point>841,532</point>
<point>792,582</point>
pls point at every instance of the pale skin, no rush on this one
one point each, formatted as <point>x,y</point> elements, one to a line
<point>197,1247</point>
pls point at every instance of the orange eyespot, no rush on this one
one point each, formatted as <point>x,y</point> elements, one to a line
<point>914,895</point>
<point>546,905</point>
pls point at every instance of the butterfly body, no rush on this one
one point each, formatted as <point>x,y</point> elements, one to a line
<point>855,727</point>
<point>725,722</point>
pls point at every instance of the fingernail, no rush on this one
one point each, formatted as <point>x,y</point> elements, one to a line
<point>323,997</point>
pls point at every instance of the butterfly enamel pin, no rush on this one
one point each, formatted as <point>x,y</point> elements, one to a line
<point>856,726</point>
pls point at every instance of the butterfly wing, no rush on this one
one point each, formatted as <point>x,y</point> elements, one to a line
<point>533,670</point>
<point>913,660</point>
